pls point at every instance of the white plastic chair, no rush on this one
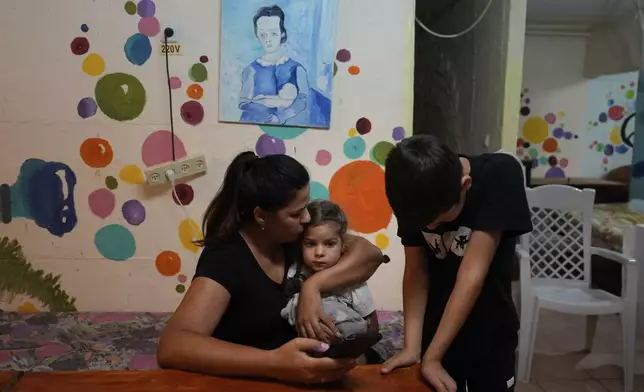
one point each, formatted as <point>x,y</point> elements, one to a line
<point>555,272</point>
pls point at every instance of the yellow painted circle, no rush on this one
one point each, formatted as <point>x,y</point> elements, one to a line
<point>131,174</point>
<point>382,241</point>
<point>94,65</point>
<point>535,130</point>
<point>616,136</point>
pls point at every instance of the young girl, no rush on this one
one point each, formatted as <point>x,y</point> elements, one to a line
<point>352,309</point>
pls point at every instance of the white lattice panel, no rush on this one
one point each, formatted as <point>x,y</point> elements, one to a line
<point>556,244</point>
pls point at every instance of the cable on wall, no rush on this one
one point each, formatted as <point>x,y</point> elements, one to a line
<point>168,32</point>
<point>462,33</point>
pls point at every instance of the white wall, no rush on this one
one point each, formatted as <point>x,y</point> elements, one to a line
<point>42,83</point>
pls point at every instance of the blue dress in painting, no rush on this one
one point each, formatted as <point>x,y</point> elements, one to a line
<point>309,107</point>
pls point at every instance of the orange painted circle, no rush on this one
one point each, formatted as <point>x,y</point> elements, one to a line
<point>550,145</point>
<point>359,189</point>
<point>194,91</point>
<point>96,152</point>
<point>354,70</point>
<point>168,263</point>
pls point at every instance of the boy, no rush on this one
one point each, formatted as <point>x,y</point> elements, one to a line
<point>458,220</point>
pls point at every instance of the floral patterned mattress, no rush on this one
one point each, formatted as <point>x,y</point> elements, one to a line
<point>609,223</point>
<point>110,341</point>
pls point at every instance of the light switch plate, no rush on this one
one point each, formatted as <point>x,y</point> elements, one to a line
<point>186,167</point>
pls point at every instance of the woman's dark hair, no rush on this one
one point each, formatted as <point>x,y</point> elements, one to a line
<point>269,183</point>
<point>325,211</point>
<point>273,10</point>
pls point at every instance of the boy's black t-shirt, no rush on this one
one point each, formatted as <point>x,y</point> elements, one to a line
<point>253,314</point>
<point>496,201</point>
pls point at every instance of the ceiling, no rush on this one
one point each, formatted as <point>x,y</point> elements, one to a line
<point>583,13</point>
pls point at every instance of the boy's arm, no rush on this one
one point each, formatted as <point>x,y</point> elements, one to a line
<point>470,278</point>
<point>415,288</point>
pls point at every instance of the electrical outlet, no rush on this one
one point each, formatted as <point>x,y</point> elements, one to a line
<point>188,166</point>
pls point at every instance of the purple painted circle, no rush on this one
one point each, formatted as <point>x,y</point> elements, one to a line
<point>603,117</point>
<point>568,135</point>
<point>133,212</point>
<point>558,133</point>
<point>555,172</point>
<point>146,8</point>
<point>192,113</point>
<point>398,134</point>
<point>101,202</point>
<point>268,145</point>
<point>87,107</point>
<point>609,150</point>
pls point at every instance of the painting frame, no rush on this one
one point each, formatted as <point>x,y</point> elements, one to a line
<point>277,62</point>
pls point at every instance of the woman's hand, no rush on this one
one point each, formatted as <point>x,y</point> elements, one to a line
<point>312,322</point>
<point>292,363</point>
<point>434,373</point>
<point>405,358</point>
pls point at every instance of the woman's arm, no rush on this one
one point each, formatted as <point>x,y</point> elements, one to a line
<point>357,265</point>
<point>186,342</point>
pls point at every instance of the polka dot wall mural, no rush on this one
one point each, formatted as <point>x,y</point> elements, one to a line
<point>543,138</point>
<point>192,111</point>
<point>612,127</point>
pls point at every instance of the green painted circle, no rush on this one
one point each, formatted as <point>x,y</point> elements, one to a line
<point>180,288</point>
<point>380,151</point>
<point>111,183</point>
<point>120,96</point>
<point>198,73</point>
<point>130,7</point>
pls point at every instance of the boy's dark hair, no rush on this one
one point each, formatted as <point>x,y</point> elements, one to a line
<point>250,181</point>
<point>422,180</point>
<point>323,211</point>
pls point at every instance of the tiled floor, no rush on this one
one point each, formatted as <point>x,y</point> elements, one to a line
<point>558,366</point>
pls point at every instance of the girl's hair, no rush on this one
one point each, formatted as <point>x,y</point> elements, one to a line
<point>269,183</point>
<point>273,10</point>
<point>325,211</point>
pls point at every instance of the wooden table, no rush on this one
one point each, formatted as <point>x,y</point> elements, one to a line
<point>363,378</point>
<point>6,378</point>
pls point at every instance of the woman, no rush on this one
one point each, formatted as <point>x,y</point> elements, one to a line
<point>229,321</point>
<point>275,88</point>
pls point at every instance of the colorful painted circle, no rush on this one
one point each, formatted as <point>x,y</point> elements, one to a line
<point>267,145</point>
<point>555,172</point>
<point>157,148</point>
<point>96,152</point>
<point>535,130</point>
<point>185,193</point>
<point>79,46</point>
<point>175,83</point>
<point>180,289</point>
<point>363,125</point>
<point>354,147</point>
<point>318,191</point>
<point>343,55</point>
<point>203,59</point>
<point>323,157</point>
<point>101,202</point>
<point>198,73</point>
<point>84,28</point>
<point>87,107</point>
<point>282,133</point>
<point>168,263</point>
<point>120,96</point>
<point>149,26</point>
<point>380,152</point>
<point>192,113</point>
<point>115,242</point>
<point>133,212</point>
<point>359,189</point>
<point>130,7</point>
<point>558,133</point>
<point>111,183</point>
<point>138,49</point>
<point>146,8</point>
<point>398,134</point>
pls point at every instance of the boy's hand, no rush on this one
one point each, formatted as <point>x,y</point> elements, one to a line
<point>437,377</point>
<point>405,358</point>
